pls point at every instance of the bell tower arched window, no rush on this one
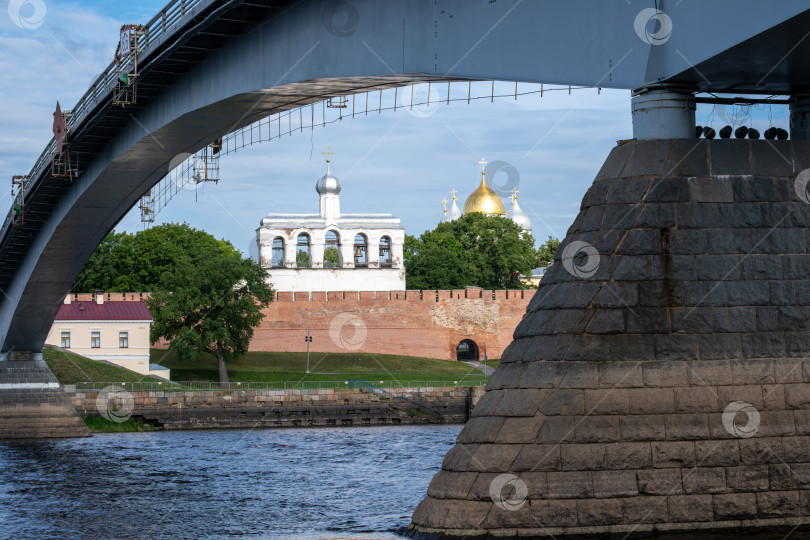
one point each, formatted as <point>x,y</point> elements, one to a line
<point>385,252</point>
<point>278,252</point>
<point>302,251</point>
<point>331,250</point>
<point>360,250</point>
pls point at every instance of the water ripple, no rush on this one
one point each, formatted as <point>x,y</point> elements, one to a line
<point>295,483</point>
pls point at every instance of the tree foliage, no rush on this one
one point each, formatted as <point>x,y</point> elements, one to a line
<point>126,262</point>
<point>545,253</point>
<point>205,297</point>
<point>302,258</point>
<point>210,306</point>
<point>476,249</point>
<point>331,257</point>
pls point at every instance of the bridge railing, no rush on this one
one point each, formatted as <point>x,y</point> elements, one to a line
<point>182,386</point>
<point>160,26</point>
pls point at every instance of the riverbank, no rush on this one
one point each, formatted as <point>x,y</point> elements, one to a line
<point>231,409</point>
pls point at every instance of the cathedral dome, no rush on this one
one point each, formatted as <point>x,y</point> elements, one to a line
<point>517,215</point>
<point>484,200</point>
<point>328,183</point>
<point>454,212</point>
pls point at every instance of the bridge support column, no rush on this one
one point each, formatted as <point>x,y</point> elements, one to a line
<point>656,382</point>
<point>32,403</point>
<point>800,118</point>
<point>660,113</point>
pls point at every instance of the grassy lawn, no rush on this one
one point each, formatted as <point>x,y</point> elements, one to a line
<point>276,366</point>
<point>380,369</point>
<point>72,368</point>
<point>493,363</point>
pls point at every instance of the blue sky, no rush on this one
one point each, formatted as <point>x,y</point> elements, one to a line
<point>396,162</point>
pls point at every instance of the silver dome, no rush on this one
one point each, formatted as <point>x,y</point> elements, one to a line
<point>454,213</point>
<point>517,215</point>
<point>328,183</point>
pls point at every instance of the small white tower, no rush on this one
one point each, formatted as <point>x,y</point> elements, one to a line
<point>328,187</point>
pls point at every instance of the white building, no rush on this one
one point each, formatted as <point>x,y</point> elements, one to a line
<point>115,331</point>
<point>330,251</point>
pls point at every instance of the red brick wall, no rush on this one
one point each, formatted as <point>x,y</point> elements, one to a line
<point>397,322</point>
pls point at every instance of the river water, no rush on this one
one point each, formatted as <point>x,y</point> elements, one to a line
<point>311,483</point>
<point>292,483</point>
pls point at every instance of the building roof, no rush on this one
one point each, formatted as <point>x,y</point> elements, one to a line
<point>315,221</point>
<point>108,311</point>
<point>539,271</point>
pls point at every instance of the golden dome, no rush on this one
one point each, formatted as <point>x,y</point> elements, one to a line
<point>484,200</point>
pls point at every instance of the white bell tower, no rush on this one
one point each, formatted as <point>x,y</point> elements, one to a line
<point>328,187</point>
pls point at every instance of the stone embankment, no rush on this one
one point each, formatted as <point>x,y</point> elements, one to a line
<point>293,408</point>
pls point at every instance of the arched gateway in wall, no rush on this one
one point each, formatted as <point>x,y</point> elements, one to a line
<point>467,350</point>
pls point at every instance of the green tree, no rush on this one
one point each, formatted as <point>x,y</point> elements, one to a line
<point>331,257</point>
<point>545,253</point>
<point>135,262</point>
<point>210,306</point>
<point>302,258</point>
<point>486,251</point>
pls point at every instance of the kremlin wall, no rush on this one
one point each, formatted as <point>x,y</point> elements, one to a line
<point>416,323</point>
<point>429,324</point>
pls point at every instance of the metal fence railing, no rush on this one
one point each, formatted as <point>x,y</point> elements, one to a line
<point>155,32</point>
<point>181,386</point>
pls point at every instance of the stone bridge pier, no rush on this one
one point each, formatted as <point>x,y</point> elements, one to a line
<point>32,404</point>
<point>659,380</point>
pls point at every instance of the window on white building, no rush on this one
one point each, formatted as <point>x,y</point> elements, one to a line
<point>302,251</point>
<point>360,250</point>
<point>385,252</point>
<point>331,250</point>
<point>65,343</point>
<point>123,340</point>
<point>95,339</point>
<point>278,252</point>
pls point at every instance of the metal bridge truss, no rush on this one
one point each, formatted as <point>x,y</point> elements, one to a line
<point>424,97</point>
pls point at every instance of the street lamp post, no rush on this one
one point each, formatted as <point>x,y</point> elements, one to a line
<point>308,339</point>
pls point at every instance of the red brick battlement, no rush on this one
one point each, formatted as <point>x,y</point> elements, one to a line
<point>427,323</point>
<point>410,295</point>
